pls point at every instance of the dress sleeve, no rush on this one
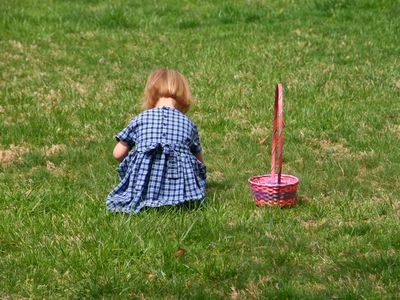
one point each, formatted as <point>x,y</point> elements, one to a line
<point>128,135</point>
<point>195,146</point>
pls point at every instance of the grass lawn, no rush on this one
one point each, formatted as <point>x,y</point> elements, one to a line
<point>72,75</point>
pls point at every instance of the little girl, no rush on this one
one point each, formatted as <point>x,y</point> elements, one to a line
<point>166,167</point>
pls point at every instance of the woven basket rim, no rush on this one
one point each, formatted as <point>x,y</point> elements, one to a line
<point>273,184</point>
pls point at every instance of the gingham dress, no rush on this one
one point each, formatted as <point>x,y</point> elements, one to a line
<point>162,168</point>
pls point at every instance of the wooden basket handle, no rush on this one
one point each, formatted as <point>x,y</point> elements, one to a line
<point>277,130</point>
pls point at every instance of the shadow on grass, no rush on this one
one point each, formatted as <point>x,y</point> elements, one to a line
<point>214,187</point>
<point>186,206</point>
<point>302,201</point>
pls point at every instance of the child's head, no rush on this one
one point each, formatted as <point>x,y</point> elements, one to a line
<point>169,84</point>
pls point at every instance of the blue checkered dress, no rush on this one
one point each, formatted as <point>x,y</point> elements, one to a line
<point>162,169</point>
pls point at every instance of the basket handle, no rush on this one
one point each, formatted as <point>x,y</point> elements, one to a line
<point>278,124</point>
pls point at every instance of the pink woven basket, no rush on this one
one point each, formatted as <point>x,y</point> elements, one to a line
<point>275,189</point>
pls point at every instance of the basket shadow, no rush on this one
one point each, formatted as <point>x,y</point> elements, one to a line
<point>302,200</point>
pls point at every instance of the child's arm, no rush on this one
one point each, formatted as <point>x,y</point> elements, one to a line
<point>121,150</point>
<point>200,157</point>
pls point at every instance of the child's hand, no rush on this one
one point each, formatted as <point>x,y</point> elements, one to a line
<point>200,157</point>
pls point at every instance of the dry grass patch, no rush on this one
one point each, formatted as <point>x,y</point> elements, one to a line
<point>364,171</point>
<point>259,131</point>
<point>395,130</point>
<point>231,137</point>
<point>53,149</point>
<point>310,224</point>
<point>8,57</point>
<point>107,89</point>
<point>12,154</point>
<point>252,290</point>
<point>81,89</point>
<point>364,154</point>
<point>336,149</point>
<point>397,84</point>
<point>59,170</point>
<point>7,156</point>
<point>50,166</point>
<point>364,130</point>
<point>216,176</point>
<point>239,115</point>
<point>16,45</point>
<point>47,99</point>
<point>315,287</point>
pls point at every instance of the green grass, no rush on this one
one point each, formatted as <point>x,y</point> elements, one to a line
<point>60,107</point>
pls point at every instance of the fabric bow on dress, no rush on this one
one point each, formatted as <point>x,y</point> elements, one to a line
<point>170,156</point>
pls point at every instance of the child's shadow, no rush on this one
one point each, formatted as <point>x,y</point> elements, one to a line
<point>186,206</point>
<point>212,188</point>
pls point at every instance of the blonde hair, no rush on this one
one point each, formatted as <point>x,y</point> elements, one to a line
<point>170,84</point>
